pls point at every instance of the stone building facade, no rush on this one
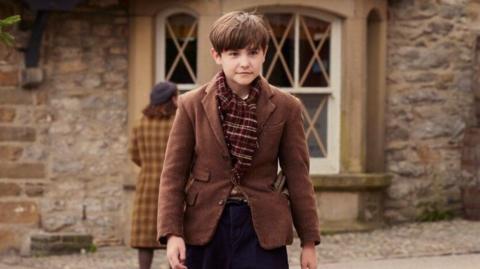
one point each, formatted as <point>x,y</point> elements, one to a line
<point>432,46</point>
<point>63,145</point>
<point>406,95</point>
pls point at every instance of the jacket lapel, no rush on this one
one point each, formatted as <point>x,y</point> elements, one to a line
<point>209,103</point>
<point>265,107</point>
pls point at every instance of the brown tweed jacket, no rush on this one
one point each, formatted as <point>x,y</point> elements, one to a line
<point>147,150</point>
<point>197,154</point>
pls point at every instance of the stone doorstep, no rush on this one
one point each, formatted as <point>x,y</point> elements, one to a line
<point>50,238</point>
<point>358,187</point>
<point>351,182</point>
<point>349,226</point>
<point>58,244</point>
<point>335,227</point>
<point>360,183</point>
<point>345,182</point>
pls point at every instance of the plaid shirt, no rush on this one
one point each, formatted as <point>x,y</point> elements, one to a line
<point>239,122</point>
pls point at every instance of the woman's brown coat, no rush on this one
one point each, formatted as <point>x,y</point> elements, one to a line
<point>147,150</point>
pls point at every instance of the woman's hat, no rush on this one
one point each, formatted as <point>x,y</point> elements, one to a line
<point>162,92</point>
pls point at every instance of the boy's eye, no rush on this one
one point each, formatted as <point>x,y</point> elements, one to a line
<point>233,53</point>
<point>253,52</point>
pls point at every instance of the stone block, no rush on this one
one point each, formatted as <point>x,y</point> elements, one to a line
<point>9,189</point>
<point>92,81</point>
<point>471,150</point>
<point>67,52</point>
<point>10,153</point>
<point>16,97</point>
<point>22,170</point>
<point>18,134</point>
<point>371,206</point>
<point>102,30</point>
<point>9,78</point>
<point>9,239</point>
<point>35,153</point>
<point>118,63</point>
<point>7,114</point>
<point>76,27</point>
<point>34,189</point>
<point>114,77</point>
<point>71,66</point>
<point>18,212</point>
<point>337,206</point>
<point>42,116</point>
<point>55,244</point>
<point>119,50</point>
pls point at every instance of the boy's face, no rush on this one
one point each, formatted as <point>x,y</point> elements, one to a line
<point>240,66</point>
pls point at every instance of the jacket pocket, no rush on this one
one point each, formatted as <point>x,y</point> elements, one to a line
<point>201,174</point>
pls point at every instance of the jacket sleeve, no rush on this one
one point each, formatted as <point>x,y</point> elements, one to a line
<point>176,169</point>
<point>295,161</point>
<point>133,149</point>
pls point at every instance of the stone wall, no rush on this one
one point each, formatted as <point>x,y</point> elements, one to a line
<point>23,156</point>
<point>430,104</point>
<point>63,145</point>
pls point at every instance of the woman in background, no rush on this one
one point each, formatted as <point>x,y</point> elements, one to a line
<point>147,150</point>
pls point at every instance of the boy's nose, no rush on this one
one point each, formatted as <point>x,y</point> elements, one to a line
<point>244,61</point>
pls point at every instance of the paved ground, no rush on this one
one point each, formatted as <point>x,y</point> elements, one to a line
<point>398,247</point>
<point>439,262</point>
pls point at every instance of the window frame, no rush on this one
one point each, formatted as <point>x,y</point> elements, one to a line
<point>160,38</point>
<point>331,163</point>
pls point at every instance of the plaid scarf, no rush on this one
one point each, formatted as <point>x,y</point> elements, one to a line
<point>239,122</point>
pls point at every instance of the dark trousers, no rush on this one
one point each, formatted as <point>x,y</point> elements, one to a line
<point>235,245</point>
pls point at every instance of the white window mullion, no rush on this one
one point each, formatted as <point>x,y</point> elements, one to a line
<point>160,48</point>
<point>296,62</point>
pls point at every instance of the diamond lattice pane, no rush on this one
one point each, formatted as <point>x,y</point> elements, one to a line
<point>181,49</point>
<point>279,61</point>
<point>315,114</point>
<point>314,52</point>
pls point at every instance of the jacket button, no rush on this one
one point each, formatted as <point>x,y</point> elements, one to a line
<point>221,202</point>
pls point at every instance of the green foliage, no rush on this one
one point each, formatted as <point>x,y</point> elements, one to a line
<point>5,37</point>
<point>92,248</point>
<point>433,214</point>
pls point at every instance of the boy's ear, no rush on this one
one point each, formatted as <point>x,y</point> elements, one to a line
<point>265,54</point>
<point>217,57</point>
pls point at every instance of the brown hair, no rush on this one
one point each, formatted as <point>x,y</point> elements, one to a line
<point>239,30</point>
<point>165,110</point>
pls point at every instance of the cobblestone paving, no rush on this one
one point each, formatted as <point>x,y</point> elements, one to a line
<point>401,241</point>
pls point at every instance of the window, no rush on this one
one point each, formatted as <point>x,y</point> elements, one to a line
<point>304,59</point>
<point>177,49</point>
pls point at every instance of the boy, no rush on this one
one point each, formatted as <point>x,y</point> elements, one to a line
<point>216,191</point>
